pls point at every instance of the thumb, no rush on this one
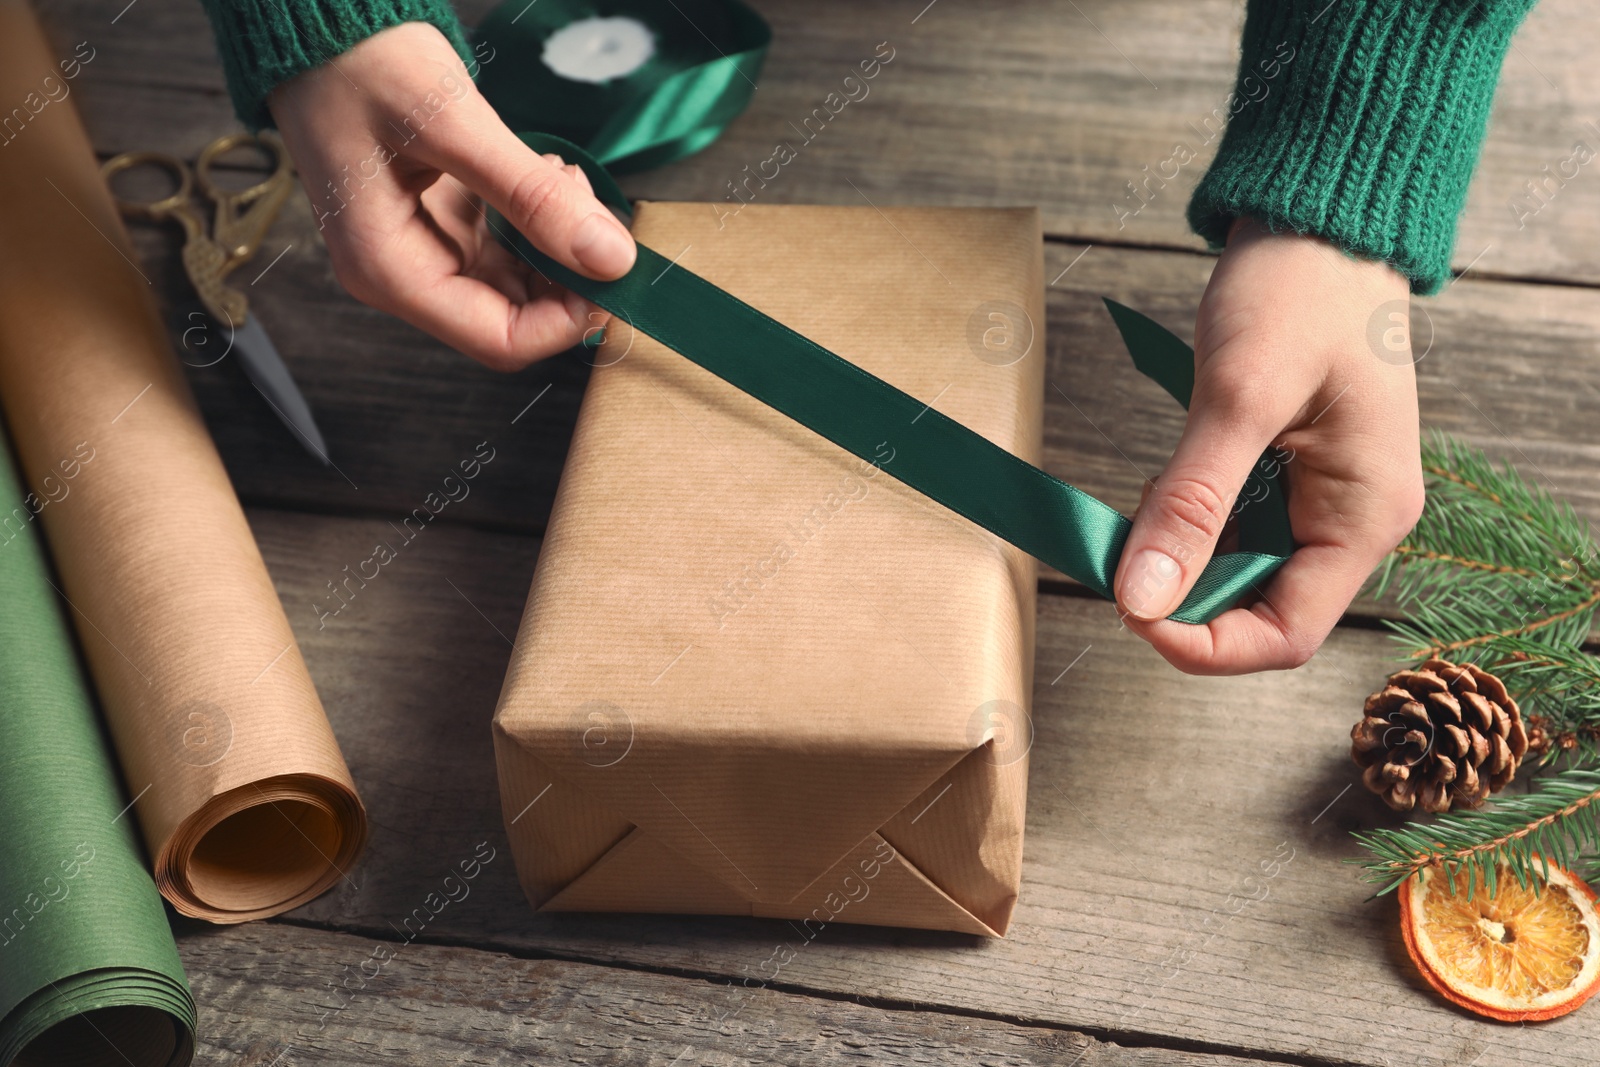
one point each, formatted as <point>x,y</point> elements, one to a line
<point>559,215</point>
<point>1176,529</point>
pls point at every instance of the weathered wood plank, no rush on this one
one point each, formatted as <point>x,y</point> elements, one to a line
<point>1021,102</point>
<point>1166,941</point>
<point>1185,876</point>
<point>276,994</point>
<point>1512,367</point>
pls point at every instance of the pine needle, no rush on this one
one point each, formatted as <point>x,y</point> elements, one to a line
<point>1557,822</point>
<point>1499,573</point>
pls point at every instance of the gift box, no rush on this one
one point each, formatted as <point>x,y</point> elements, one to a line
<point>756,674</point>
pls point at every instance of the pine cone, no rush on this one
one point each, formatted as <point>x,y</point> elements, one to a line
<point>1441,734</point>
<point>1538,735</point>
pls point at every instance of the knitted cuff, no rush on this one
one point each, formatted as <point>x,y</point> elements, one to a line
<point>264,43</point>
<point>1359,121</point>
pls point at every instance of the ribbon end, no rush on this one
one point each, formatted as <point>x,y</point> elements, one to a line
<point>1160,354</point>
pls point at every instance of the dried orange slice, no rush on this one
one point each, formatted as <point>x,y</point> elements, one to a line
<point>1517,954</point>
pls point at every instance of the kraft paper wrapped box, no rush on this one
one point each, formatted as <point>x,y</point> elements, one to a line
<point>756,674</point>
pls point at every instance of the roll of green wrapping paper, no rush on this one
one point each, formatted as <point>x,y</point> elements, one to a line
<point>88,971</point>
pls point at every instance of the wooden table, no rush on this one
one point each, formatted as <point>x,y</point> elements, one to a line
<point>1155,927</point>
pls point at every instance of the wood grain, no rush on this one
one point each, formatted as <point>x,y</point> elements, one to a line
<point>1512,367</point>
<point>277,994</point>
<point>1185,877</point>
<point>1018,102</point>
<point>1185,883</point>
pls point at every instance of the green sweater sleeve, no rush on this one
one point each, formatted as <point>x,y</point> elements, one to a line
<point>266,42</point>
<point>1359,121</point>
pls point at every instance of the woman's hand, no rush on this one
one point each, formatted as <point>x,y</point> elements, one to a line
<point>398,151</point>
<point>1300,346</point>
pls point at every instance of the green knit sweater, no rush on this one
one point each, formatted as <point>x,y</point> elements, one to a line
<point>1355,120</point>
<point>1359,121</point>
<point>264,43</point>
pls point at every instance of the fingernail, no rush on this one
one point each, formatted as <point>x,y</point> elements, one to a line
<point>1151,585</point>
<point>577,310</point>
<point>589,320</point>
<point>602,246</point>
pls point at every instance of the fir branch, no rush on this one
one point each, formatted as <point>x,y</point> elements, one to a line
<point>1559,685</point>
<point>1586,606</point>
<point>1449,475</point>
<point>1556,822</point>
<point>1548,666</point>
<point>1472,564</point>
<point>1482,511</point>
<point>1478,615</point>
<point>1492,559</point>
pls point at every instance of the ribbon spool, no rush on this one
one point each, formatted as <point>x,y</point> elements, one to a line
<point>697,62</point>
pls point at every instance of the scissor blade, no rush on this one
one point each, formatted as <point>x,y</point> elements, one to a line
<point>271,378</point>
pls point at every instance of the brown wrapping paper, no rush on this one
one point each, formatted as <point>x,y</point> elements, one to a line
<point>245,802</point>
<point>757,675</point>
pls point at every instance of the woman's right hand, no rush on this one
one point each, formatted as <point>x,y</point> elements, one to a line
<point>1283,356</point>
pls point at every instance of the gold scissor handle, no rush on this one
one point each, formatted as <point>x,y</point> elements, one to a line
<point>177,204</point>
<point>204,261</point>
<point>243,217</point>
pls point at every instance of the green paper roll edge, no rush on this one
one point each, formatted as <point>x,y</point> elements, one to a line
<point>82,928</point>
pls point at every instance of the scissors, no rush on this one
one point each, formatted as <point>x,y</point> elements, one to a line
<point>240,223</point>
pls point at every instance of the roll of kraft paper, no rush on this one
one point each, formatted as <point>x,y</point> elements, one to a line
<point>88,971</point>
<point>243,796</point>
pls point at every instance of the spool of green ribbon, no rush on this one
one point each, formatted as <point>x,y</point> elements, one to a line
<point>688,68</point>
<point>1044,516</point>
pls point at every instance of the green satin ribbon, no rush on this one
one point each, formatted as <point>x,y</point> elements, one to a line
<point>706,57</point>
<point>1039,513</point>
<point>665,113</point>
